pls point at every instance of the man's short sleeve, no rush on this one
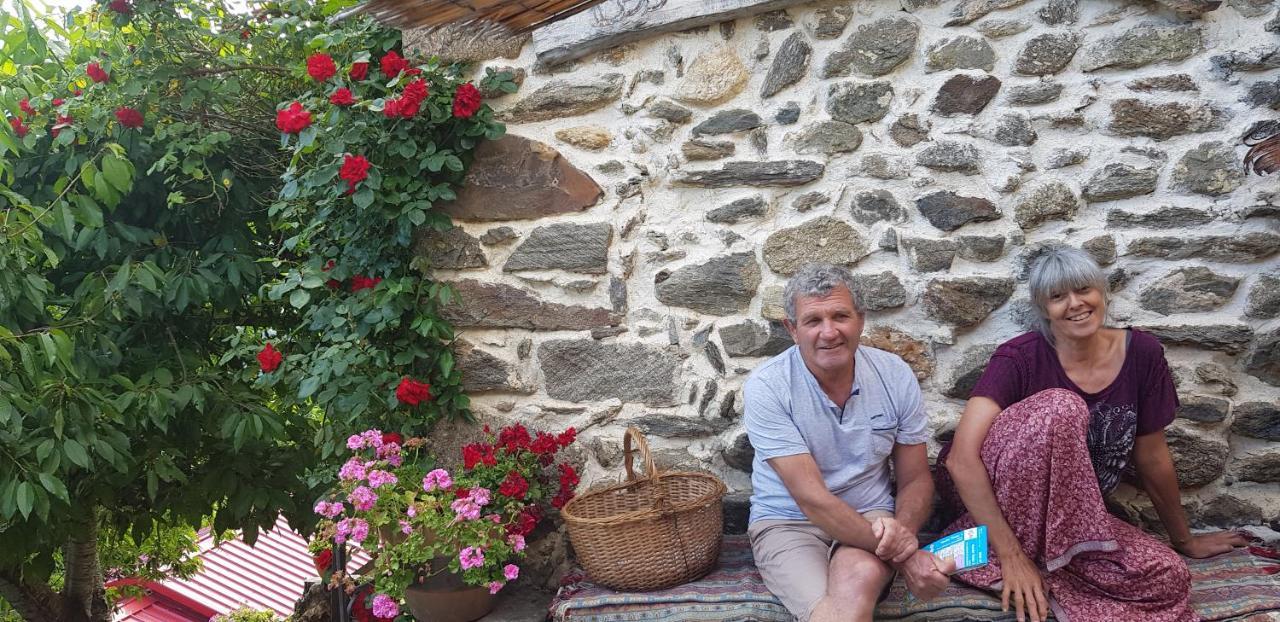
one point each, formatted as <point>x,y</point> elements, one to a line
<point>913,422</point>
<point>772,432</point>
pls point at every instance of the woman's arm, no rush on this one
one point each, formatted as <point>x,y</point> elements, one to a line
<point>1160,480</point>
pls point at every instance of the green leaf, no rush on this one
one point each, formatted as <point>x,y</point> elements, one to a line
<point>308,387</point>
<point>54,486</point>
<point>299,298</point>
<point>119,172</point>
<point>75,453</point>
<point>363,198</point>
<point>26,497</point>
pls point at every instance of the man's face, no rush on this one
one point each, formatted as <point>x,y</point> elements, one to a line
<point>826,329</point>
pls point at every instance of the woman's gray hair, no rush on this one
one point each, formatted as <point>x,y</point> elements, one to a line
<point>1061,269</point>
<point>817,279</point>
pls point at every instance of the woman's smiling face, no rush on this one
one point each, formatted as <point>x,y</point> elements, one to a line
<point>1075,313</point>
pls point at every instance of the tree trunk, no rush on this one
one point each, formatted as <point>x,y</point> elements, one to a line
<point>83,592</point>
<point>34,602</point>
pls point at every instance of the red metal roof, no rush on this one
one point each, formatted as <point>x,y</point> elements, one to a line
<point>270,575</point>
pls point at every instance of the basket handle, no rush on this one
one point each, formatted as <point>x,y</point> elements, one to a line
<point>642,446</point>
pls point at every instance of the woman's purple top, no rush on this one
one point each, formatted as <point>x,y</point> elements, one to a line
<point>1141,399</point>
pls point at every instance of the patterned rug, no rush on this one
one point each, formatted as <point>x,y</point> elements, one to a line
<point>1242,586</point>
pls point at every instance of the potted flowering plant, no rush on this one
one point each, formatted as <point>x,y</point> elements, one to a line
<point>441,538</point>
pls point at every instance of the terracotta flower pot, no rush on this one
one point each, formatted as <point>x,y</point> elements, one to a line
<point>445,598</point>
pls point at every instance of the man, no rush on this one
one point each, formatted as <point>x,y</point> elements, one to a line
<point>825,417</point>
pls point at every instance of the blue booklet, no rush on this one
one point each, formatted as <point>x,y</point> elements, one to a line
<point>968,548</point>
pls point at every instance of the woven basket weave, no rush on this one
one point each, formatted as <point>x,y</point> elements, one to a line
<point>649,532</point>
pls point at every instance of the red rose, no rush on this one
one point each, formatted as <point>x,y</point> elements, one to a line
<point>58,101</point>
<point>359,282</point>
<point>96,73</point>
<point>466,100</point>
<point>358,71</point>
<point>269,359</point>
<point>567,437</point>
<point>323,561</point>
<point>25,107</point>
<point>416,90</point>
<point>320,67</point>
<point>293,119</point>
<point>64,121</point>
<point>392,64</point>
<point>18,128</point>
<point>128,117</point>
<point>412,392</point>
<point>391,108</point>
<point>514,486</point>
<point>342,97</point>
<point>355,169</point>
<point>409,107</point>
<point>392,437</point>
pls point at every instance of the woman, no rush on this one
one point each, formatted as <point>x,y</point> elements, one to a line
<point>1059,415</point>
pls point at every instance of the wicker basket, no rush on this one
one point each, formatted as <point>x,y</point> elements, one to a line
<point>649,532</point>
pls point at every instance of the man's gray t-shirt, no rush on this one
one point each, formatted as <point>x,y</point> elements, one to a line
<point>787,414</point>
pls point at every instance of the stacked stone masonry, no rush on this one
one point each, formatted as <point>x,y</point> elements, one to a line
<point>620,256</point>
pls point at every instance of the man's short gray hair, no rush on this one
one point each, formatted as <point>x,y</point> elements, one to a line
<point>1060,269</point>
<point>817,279</point>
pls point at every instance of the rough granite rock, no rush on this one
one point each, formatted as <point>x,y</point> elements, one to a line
<point>965,301</point>
<point>701,149</point>
<point>885,166</point>
<point>714,77</point>
<point>1255,58</point>
<point>777,173</point>
<point>1013,130</point>
<point>499,235</point>
<point>514,178</point>
<point>752,338</point>
<point>908,130</point>
<point>1172,83</point>
<point>1033,94</point>
<point>722,285</point>
<point>874,49</point>
<point>728,122</point>
<point>915,352</point>
<point>1203,408</point>
<point>827,138</point>
<point>668,110</point>
<point>1059,12</point>
<point>1161,121</point>
<point>1264,298</point>
<point>482,371</point>
<point>879,291</point>
<point>950,156</point>
<point>771,21</point>
<point>739,454</point>
<point>872,206</point>
<point>1257,420</point>
<point>494,305</point>
<point>1263,94</point>
<point>809,200</point>
<point>1143,45</point>
<point>967,370</point>
<point>928,254</point>
<point>1229,338</point>
<point>965,94</point>
<point>1227,512</point>
<point>1120,181</point>
<point>949,211</point>
<point>1062,158</point>
<point>1046,54</point>
<point>1001,28</point>
<point>1161,218</point>
<point>969,11</point>
<point>453,249</point>
<point>1197,459</point>
<point>859,102</point>
<point>739,210</point>
<point>1211,169</point>
<point>564,246</point>
<point>1102,249</point>
<point>589,137</point>
<point>559,99</point>
<point>788,114</point>
<point>1243,248</point>
<point>1263,361</point>
<point>829,22</point>
<point>1053,200</point>
<point>980,247</point>
<point>585,370</point>
<point>676,426</point>
<point>1262,466</point>
<point>789,65</point>
<point>823,239</point>
<point>961,52</point>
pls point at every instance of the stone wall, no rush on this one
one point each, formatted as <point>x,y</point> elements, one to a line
<point>620,259</point>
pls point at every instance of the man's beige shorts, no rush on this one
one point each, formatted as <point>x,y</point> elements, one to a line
<point>793,557</point>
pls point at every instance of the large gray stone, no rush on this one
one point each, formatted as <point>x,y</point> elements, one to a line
<point>1264,298</point>
<point>1203,409</point>
<point>720,286</point>
<point>1046,54</point>
<point>858,102</point>
<point>909,130</point>
<point>739,210</point>
<point>965,94</point>
<point>777,173</point>
<point>702,149</point>
<point>949,211</point>
<point>980,247</point>
<point>788,114</point>
<point>873,206</point>
<point>453,249</point>
<point>915,353</point>
<point>928,254</point>
<point>1059,12</point>
<point>1211,169</point>
<point>886,166</point>
<point>1161,121</point>
<point>494,305</point>
<point>827,137</point>
<point>969,11</point>
<point>1143,45</point>
<point>514,178</point>
<point>676,426</point>
<point>483,372</point>
<point>1229,338</point>
<point>1014,130</point>
<point>1177,82</point>
<point>713,78</point>
<point>879,291</point>
<point>1258,420</point>
<point>950,156</point>
<point>829,21</point>
<point>1063,157</point>
<point>965,301</point>
<point>740,454</point>
<point>967,370</point>
<point>751,338</point>
<point>823,239</point>
<point>874,49</point>
<point>810,200</point>
<point>1102,249</point>
<point>1255,58</point>
<point>1263,94</point>
<point>564,246</point>
<point>728,122</point>
<point>1243,248</point>
<point>1228,512</point>
<point>1161,218</point>
<point>499,235</point>
<point>559,99</point>
<point>961,52</point>
<point>1263,362</point>
<point>770,21</point>
<point>1120,181</point>
<point>1000,28</point>
<point>1052,200</point>
<point>789,65</point>
<point>668,110</point>
<point>1262,466</point>
<point>1188,290</point>
<point>1196,459</point>
<point>585,370</point>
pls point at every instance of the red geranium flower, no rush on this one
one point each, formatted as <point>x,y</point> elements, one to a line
<point>566,438</point>
<point>58,101</point>
<point>544,444</point>
<point>128,117</point>
<point>392,437</point>
<point>342,97</point>
<point>514,486</point>
<point>478,453</point>
<point>524,523</point>
<point>269,359</point>
<point>514,438</point>
<point>392,64</point>
<point>466,100</point>
<point>293,119</point>
<point>412,392</point>
<point>320,67</point>
<point>77,92</point>
<point>323,561</point>
<point>18,128</point>
<point>96,73</point>
<point>25,107</point>
<point>120,6</point>
<point>62,122</point>
<point>355,169</point>
<point>358,71</point>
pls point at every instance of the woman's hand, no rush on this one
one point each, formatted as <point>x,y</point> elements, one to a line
<point>1024,586</point>
<point>1205,545</point>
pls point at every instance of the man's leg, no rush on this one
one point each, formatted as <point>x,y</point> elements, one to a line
<point>793,558</point>
<point>855,581</point>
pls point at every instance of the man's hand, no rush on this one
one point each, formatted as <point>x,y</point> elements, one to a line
<point>896,542</point>
<point>1205,545</point>
<point>926,573</point>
